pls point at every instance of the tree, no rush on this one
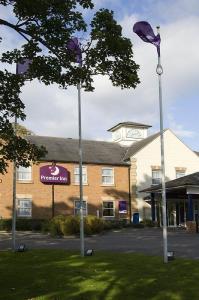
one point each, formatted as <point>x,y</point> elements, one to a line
<point>22,130</point>
<point>45,26</point>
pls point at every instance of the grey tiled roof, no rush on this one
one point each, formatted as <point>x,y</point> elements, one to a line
<point>140,125</point>
<point>139,145</point>
<point>188,180</point>
<point>66,150</point>
<point>197,152</point>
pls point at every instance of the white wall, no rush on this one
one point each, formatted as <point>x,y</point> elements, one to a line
<point>177,154</point>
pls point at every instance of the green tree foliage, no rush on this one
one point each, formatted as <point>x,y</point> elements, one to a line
<point>45,27</point>
<point>22,130</point>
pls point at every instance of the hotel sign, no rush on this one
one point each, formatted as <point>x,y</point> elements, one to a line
<point>54,175</point>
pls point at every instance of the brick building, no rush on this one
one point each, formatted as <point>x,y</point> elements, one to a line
<point>105,182</point>
<point>114,173</point>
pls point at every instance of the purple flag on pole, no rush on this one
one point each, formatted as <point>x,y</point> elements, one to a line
<point>73,46</point>
<point>23,67</point>
<point>144,30</point>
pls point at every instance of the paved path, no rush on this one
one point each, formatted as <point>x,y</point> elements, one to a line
<point>147,240</point>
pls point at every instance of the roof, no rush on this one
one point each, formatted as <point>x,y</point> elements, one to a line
<point>67,150</point>
<point>185,181</point>
<point>139,125</point>
<point>197,152</point>
<point>134,148</point>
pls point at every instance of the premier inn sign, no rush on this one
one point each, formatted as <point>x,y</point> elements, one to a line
<point>54,174</point>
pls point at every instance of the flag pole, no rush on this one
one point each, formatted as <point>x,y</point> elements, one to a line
<point>14,196</point>
<point>80,172</point>
<point>159,71</point>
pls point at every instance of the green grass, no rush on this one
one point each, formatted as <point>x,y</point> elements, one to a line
<point>60,275</point>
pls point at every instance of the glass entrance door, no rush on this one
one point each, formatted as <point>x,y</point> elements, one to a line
<point>171,214</point>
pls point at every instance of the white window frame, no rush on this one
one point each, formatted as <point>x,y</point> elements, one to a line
<point>180,174</point>
<point>84,175</point>
<point>24,207</point>
<point>109,176</point>
<point>156,180</point>
<point>85,210</point>
<point>24,174</point>
<point>113,208</point>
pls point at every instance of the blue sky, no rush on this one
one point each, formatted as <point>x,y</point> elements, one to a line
<point>179,22</point>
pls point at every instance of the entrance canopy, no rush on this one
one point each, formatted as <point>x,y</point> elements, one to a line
<point>182,195</point>
<point>181,186</point>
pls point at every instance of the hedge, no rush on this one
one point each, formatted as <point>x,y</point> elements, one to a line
<point>22,224</point>
<point>70,225</point>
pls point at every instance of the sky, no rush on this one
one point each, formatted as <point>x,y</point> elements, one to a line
<point>54,112</point>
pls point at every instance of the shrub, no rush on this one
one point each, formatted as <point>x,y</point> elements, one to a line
<point>149,223</point>
<point>70,225</point>
<point>115,224</point>
<point>94,224</point>
<point>21,224</point>
<point>55,226</point>
<point>6,224</point>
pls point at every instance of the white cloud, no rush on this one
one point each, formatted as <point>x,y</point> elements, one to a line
<point>179,129</point>
<point>51,111</point>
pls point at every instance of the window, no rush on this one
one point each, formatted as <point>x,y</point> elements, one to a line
<point>180,174</point>
<point>24,208</point>
<point>108,209</point>
<point>156,176</point>
<point>107,176</point>
<point>77,207</point>
<point>84,175</point>
<point>24,174</point>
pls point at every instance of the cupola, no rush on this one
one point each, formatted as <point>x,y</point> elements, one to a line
<point>127,133</point>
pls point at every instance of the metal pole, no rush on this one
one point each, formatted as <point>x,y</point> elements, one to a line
<point>159,71</point>
<point>53,200</point>
<point>14,197</point>
<point>80,173</point>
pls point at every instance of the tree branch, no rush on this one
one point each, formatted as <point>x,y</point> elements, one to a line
<point>23,32</point>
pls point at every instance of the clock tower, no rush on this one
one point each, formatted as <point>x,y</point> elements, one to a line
<point>127,133</point>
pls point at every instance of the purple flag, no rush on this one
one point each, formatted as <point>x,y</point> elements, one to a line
<point>23,67</point>
<point>145,32</point>
<point>73,46</point>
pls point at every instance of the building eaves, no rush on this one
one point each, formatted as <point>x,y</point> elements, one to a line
<point>185,181</point>
<point>139,125</point>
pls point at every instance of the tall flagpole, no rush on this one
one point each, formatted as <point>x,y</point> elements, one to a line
<point>80,172</point>
<point>74,47</point>
<point>14,197</point>
<point>159,71</point>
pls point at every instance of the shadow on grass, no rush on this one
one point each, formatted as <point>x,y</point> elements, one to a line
<point>60,275</point>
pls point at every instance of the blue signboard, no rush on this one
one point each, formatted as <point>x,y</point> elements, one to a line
<point>122,206</point>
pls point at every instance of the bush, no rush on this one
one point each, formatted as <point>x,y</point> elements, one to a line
<point>94,224</point>
<point>149,223</point>
<point>115,224</point>
<point>21,224</point>
<point>55,226</point>
<point>70,225</point>
<point>6,224</point>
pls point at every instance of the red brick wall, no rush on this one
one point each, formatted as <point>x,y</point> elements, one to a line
<point>94,193</point>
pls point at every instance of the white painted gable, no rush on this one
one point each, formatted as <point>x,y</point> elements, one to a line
<point>177,155</point>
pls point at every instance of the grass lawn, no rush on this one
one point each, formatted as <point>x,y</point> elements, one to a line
<point>57,275</point>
